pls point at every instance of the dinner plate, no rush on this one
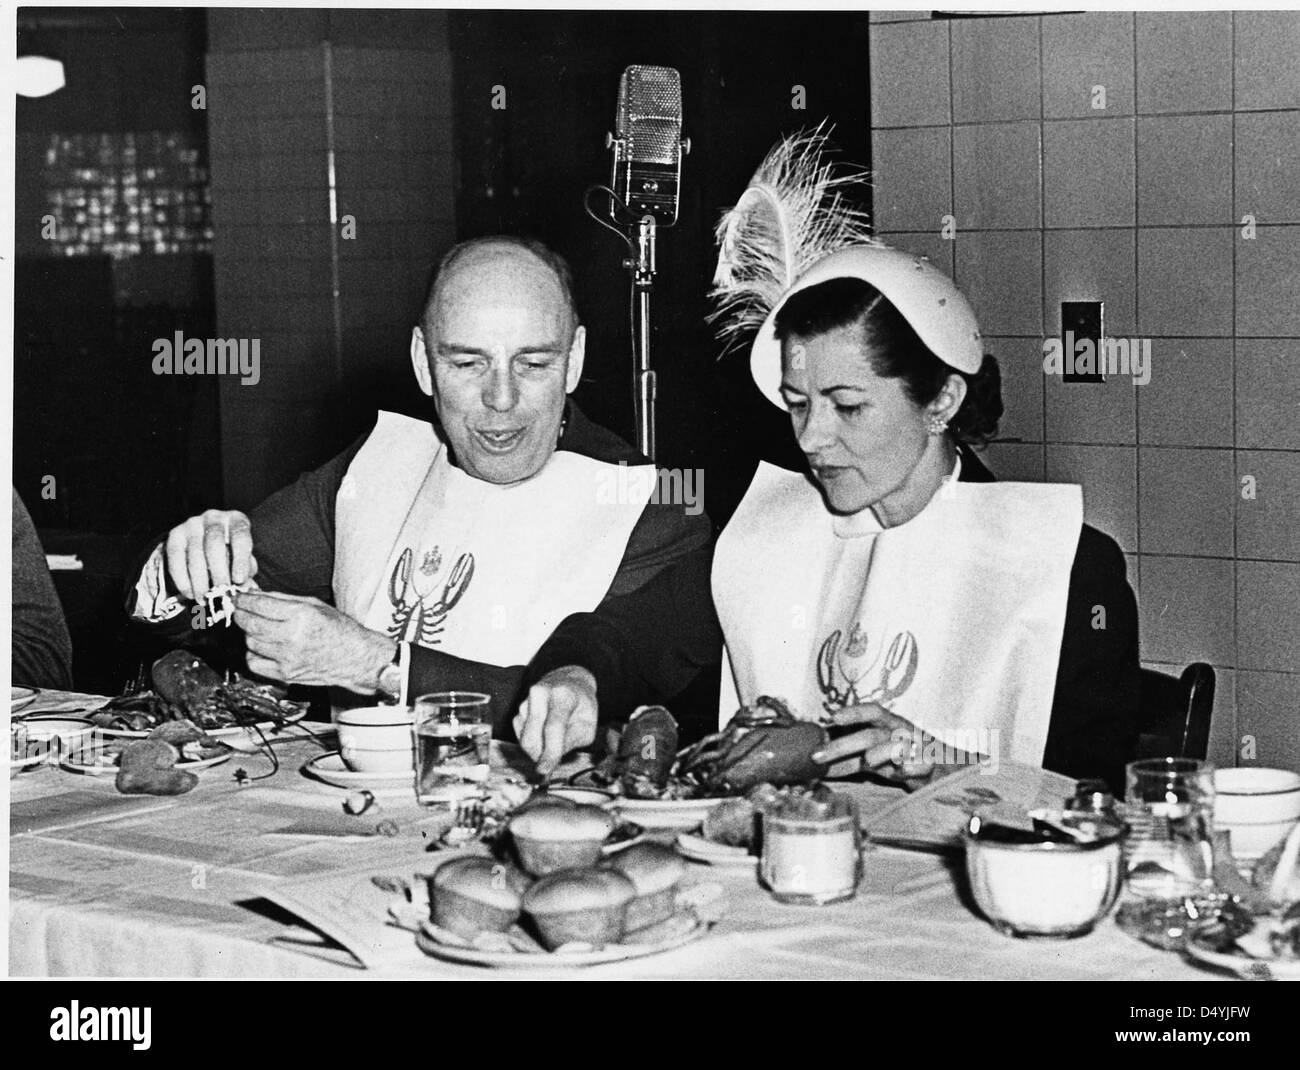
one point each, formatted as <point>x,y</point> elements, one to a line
<point>698,849</point>
<point>665,813</point>
<point>329,769</point>
<point>20,697</point>
<point>584,796</point>
<point>1251,959</point>
<point>428,940</point>
<point>107,763</point>
<point>233,731</point>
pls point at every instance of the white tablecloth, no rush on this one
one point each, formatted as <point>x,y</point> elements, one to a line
<point>108,885</point>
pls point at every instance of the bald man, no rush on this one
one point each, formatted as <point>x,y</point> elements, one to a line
<point>495,548</point>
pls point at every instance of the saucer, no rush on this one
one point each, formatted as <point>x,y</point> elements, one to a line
<point>330,769</point>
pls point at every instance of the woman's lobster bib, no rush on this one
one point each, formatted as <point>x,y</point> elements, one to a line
<point>428,554</point>
<point>952,620</point>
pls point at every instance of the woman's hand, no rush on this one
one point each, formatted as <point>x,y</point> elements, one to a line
<point>891,746</point>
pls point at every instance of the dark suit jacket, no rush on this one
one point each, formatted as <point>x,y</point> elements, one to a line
<point>1091,733</point>
<point>293,534</point>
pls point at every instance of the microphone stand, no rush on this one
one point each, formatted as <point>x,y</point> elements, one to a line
<point>642,269</point>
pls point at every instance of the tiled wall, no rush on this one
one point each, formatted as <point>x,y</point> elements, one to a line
<point>1138,204</point>
<point>272,250</point>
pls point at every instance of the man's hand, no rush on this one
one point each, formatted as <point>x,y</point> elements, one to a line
<point>891,746</point>
<point>559,715</point>
<point>303,641</point>
<point>208,551</point>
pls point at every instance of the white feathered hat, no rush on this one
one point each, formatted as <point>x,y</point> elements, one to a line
<point>792,229</point>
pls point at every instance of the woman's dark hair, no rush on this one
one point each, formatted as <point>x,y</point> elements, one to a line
<point>894,350</point>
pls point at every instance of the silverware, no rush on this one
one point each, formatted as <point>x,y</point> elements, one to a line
<point>467,825</point>
<point>470,815</point>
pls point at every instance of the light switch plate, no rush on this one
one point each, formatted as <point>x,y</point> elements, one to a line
<point>1081,319</point>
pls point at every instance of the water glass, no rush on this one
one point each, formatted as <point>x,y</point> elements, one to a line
<point>453,738</point>
<point>1169,856</point>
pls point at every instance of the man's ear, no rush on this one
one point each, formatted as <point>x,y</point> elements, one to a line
<point>420,361</point>
<point>577,354</point>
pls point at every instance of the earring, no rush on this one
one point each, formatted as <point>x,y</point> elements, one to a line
<point>937,425</point>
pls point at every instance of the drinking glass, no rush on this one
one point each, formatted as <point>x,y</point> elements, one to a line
<point>453,737</point>
<point>812,858</point>
<point>1169,856</point>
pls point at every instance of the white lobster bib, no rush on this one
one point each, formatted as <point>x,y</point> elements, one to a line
<point>952,620</point>
<point>428,554</point>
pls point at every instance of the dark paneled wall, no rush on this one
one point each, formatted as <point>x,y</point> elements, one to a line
<point>284,87</point>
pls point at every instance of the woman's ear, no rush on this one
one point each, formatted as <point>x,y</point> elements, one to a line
<point>420,361</point>
<point>949,398</point>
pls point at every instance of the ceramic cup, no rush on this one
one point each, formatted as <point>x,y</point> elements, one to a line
<point>1257,807</point>
<point>376,739</point>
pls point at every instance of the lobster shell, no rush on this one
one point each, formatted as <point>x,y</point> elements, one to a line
<point>776,754</point>
<point>648,746</point>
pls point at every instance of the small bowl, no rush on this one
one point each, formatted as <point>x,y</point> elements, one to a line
<point>48,735</point>
<point>1257,807</point>
<point>44,728</point>
<point>1047,889</point>
<point>376,739</point>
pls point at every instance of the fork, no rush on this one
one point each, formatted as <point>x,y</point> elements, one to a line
<point>138,681</point>
<point>470,815</point>
<point>468,823</point>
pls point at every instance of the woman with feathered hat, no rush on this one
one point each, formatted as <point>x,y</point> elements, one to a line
<point>895,587</point>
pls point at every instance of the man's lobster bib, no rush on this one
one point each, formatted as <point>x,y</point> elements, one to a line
<point>428,554</point>
<point>952,620</point>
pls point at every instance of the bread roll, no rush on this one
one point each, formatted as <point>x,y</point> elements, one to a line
<point>566,821</point>
<point>551,838</point>
<point>147,767</point>
<point>655,871</point>
<point>476,894</point>
<point>580,905</point>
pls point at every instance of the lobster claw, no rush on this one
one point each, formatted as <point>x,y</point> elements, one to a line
<point>899,669</point>
<point>401,575</point>
<point>826,662</point>
<point>457,582</point>
<point>648,746</point>
<point>774,754</point>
